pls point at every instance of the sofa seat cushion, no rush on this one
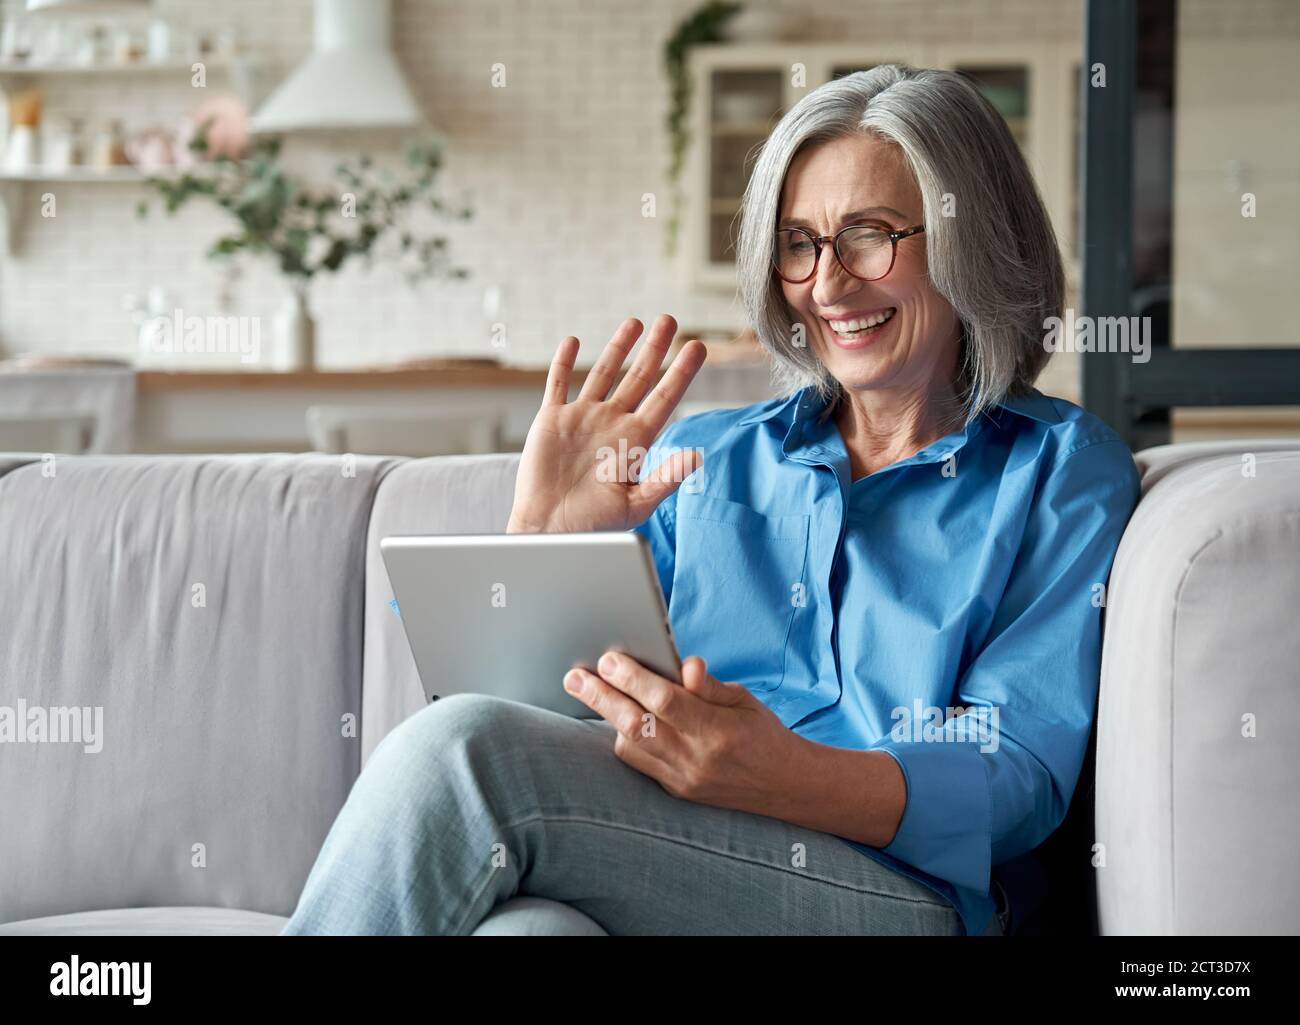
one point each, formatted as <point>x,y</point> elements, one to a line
<point>520,916</point>
<point>150,922</point>
<point>536,916</point>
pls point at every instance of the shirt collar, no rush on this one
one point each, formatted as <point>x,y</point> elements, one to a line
<point>774,407</point>
<point>1033,404</point>
<point>810,440</point>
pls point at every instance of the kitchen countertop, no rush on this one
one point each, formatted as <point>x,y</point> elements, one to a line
<point>431,374</point>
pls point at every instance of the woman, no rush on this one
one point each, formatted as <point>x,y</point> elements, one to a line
<point>886,582</point>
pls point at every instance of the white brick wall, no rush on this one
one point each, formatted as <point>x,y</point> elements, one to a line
<point>560,158</point>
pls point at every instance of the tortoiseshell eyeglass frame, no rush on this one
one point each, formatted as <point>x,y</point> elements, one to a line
<point>834,240</point>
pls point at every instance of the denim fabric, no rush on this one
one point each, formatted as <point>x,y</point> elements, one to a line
<point>475,800</point>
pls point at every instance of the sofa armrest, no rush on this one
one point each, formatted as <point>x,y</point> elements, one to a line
<point>1197,767</point>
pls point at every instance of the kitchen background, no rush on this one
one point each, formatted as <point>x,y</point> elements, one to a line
<point>558,162</point>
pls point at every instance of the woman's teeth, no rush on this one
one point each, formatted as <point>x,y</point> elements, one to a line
<point>853,328</point>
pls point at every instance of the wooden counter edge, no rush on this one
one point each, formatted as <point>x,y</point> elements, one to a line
<point>304,380</point>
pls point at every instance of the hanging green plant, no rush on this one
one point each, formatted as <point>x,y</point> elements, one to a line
<point>704,26</point>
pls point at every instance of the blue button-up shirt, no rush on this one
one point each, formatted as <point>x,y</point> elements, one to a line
<point>945,609</point>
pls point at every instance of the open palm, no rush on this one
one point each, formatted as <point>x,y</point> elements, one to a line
<point>570,477</point>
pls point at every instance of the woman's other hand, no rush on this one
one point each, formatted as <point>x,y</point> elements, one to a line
<point>716,743</point>
<point>702,740</point>
<point>561,485</point>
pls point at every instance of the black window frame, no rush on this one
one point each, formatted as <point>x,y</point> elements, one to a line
<point>1136,398</point>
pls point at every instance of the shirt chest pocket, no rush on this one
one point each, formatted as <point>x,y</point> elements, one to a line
<point>740,577</point>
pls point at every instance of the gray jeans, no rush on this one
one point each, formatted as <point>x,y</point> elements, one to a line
<point>475,800</point>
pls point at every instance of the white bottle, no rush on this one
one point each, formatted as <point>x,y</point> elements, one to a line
<point>160,41</point>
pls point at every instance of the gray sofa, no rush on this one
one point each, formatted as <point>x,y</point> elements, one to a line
<point>229,618</point>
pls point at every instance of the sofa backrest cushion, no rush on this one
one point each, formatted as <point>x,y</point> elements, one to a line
<point>441,495</point>
<point>210,609</point>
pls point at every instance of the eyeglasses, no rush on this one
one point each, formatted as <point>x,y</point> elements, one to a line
<point>866,251</point>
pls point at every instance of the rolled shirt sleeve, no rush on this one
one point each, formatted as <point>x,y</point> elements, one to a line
<point>1029,695</point>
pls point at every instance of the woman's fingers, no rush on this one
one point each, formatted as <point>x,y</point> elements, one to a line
<point>664,479</point>
<point>658,695</point>
<point>610,361</point>
<point>606,700</point>
<point>640,377</point>
<point>557,378</point>
<point>696,679</point>
<point>663,398</point>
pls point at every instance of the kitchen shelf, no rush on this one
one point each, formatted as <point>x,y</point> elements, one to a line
<point>244,68</point>
<point>17,69</point>
<point>16,188</point>
<point>118,175</point>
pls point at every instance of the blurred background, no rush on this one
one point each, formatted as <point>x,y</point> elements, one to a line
<point>364,225</point>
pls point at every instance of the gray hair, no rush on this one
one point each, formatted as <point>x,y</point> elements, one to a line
<point>997,262</point>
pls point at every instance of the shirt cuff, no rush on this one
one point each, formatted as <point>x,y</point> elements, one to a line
<point>945,829</point>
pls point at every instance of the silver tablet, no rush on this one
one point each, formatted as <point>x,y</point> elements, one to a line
<point>510,614</point>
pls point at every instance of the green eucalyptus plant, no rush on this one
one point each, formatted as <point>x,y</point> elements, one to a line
<point>309,230</point>
<point>704,26</point>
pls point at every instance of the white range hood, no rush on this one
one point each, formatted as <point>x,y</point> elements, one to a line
<point>351,80</point>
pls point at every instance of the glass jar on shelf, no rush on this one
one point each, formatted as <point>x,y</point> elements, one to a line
<point>61,145</point>
<point>109,150</point>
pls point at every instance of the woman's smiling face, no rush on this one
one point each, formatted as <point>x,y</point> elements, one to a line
<point>856,180</point>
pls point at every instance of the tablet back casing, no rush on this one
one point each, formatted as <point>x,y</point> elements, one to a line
<point>510,614</point>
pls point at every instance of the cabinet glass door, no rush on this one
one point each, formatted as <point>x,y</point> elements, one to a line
<point>745,106</point>
<point>1007,88</point>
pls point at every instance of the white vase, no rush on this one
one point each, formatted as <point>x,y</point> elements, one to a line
<point>294,344</point>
